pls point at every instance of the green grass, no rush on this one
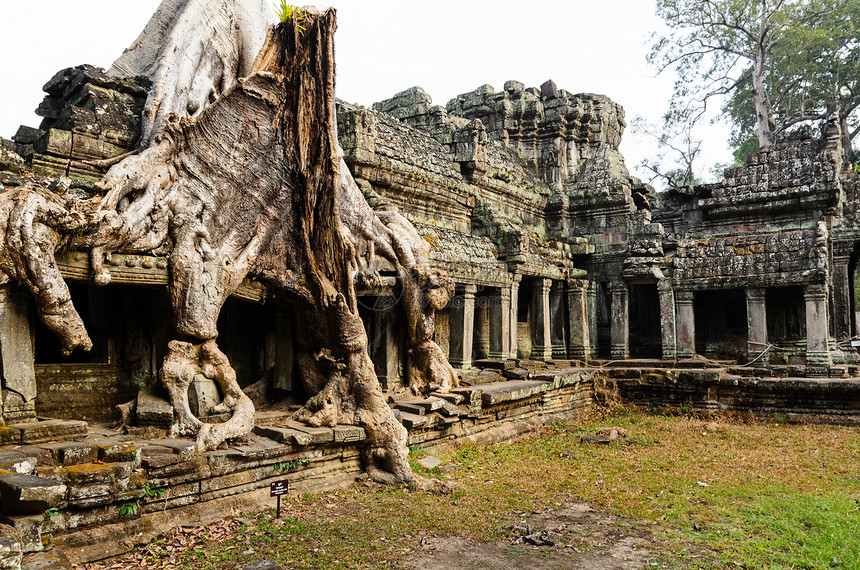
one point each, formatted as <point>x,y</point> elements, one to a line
<point>745,495</point>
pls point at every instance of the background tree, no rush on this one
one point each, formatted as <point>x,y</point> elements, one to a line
<point>672,164</point>
<point>726,48</point>
<point>815,66</point>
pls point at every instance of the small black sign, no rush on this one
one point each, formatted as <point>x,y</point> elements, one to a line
<point>280,487</point>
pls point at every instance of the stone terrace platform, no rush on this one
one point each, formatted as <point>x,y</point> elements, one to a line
<point>108,491</point>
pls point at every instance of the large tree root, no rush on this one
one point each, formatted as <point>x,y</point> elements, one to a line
<point>183,362</point>
<point>30,223</point>
<point>425,290</point>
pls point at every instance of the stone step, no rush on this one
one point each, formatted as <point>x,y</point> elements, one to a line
<point>44,430</point>
<point>455,399</point>
<point>410,421</point>
<point>18,462</point>
<point>52,559</point>
<point>512,390</point>
<point>71,453</point>
<point>495,363</point>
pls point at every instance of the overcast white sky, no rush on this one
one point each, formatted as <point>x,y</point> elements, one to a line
<point>447,47</point>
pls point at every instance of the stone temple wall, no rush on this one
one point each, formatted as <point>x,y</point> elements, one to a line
<point>525,200</point>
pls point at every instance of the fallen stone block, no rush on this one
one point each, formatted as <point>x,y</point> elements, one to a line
<point>30,530</point>
<point>153,409</point>
<point>318,435</point>
<point>70,453</point>
<point>411,421</point>
<point>410,408</point>
<point>50,430</point>
<point>430,462</point>
<point>29,494</point>
<point>349,434</point>
<point>448,409</point>
<point>184,448</point>
<point>455,399</point>
<point>287,436</point>
<point>516,374</point>
<point>11,548</point>
<point>598,439</point>
<point>17,462</point>
<point>120,453</point>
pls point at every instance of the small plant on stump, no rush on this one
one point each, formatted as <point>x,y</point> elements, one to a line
<point>288,13</point>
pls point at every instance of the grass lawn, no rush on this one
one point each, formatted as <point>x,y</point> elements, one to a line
<point>704,494</point>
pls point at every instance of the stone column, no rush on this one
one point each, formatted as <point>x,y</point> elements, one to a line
<point>384,343</point>
<point>540,320</point>
<point>462,327</point>
<point>591,315</point>
<point>756,325</point>
<point>843,308</point>
<point>481,337</point>
<point>500,323</point>
<point>16,353</point>
<point>515,301</point>
<point>580,335</point>
<point>557,320</point>
<point>817,354</point>
<point>619,333</point>
<point>667,319</point>
<point>285,355</point>
<point>685,324</point>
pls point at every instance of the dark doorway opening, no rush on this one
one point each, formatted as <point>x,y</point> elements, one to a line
<point>721,323</point>
<point>645,337</point>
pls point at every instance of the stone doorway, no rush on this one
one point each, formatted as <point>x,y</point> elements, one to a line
<point>721,324</point>
<point>644,307</point>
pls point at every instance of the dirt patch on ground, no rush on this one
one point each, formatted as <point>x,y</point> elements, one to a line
<point>571,537</point>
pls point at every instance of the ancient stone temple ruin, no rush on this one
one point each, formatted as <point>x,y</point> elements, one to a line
<point>188,258</point>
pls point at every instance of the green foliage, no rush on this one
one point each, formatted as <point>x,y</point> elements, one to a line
<point>129,508</point>
<point>816,64</point>
<point>288,13</point>
<point>290,465</point>
<point>132,507</point>
<point>779,63</point>
<point>745,150</point>
<point>52,512</point>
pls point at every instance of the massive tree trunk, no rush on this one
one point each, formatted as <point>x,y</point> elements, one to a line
<point>250,185</point>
